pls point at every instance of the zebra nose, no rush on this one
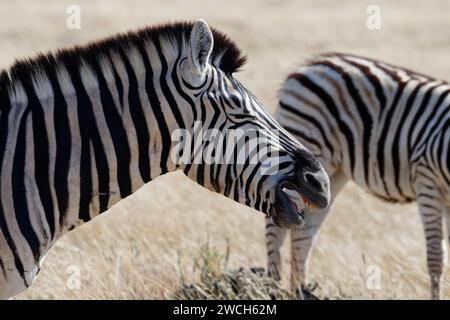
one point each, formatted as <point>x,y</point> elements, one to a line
<point>317,187</point>
<point>312,180</point>
<point>316,180</point>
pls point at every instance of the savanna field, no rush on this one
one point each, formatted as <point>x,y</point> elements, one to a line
<point>173,232</point>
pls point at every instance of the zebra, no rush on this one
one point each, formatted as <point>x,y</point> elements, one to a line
<point>386,128</point>
<point>84,127</point>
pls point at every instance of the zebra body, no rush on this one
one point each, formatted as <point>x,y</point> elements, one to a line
<point>85,127</point>
<point>382,126</point>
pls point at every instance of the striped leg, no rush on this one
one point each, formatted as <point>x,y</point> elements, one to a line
<point>274,240</point>
<point>301,242</point>
<point>303,238</point>
<point>447,220</point>
<point>431,212</point>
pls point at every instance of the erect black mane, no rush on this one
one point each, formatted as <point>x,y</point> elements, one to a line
<point>225,54</point>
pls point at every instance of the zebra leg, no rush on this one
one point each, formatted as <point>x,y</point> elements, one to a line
<point>447,221</point>
<point>431,212</point>
<point>301,242</point>
<point>274,240</point>
<point>302,238</point>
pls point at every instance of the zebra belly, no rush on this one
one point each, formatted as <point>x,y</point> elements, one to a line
<point>375,171</point>
<point>386,190</point>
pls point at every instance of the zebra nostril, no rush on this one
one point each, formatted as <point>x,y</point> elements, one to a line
<point>313,181</point>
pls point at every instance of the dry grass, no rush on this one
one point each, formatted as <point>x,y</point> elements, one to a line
<point>218,281</point>
<point>140,247</point>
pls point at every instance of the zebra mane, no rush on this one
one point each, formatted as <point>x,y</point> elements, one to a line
<point>226,55</point>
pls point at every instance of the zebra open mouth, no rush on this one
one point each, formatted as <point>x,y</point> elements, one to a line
<point>298,201</point>
<point>290,205</point>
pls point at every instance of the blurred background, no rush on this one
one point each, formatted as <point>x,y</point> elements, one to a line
<point>144,246</point>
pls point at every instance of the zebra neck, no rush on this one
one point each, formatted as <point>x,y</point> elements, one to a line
<point>81,138</point>
<point>125,141</point>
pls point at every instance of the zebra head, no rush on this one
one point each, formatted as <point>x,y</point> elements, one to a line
<point>235,147</point>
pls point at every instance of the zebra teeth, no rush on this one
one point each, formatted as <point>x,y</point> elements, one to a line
<point>308,204</point>
<point>299,202</point>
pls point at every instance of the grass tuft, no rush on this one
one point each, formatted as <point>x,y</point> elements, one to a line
<point>217,281</point>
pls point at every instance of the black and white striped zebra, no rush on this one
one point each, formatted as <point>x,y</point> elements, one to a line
<point>82,128</point>
<point>384,127</point>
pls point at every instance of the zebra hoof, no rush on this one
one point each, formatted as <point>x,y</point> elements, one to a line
<point>305,293</point>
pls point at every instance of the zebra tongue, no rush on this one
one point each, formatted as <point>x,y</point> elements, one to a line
<point>293,204</point>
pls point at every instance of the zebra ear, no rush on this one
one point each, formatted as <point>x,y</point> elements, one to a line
<point>200,46</point>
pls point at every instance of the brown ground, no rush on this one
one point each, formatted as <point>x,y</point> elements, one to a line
<point>138,248</point>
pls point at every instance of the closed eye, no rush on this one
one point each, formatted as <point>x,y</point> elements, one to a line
<point>242,115</point>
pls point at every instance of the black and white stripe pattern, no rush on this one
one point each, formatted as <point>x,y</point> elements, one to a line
<point>384,127</point>
<point>84,128</point>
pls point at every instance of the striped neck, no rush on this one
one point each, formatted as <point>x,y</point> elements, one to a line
<point>83,134</point>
